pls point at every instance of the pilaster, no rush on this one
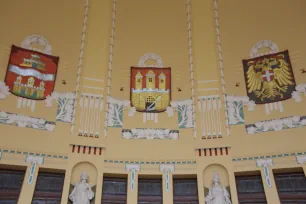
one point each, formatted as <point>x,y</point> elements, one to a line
<point>132,192</point>
<point>167,170</point>
<point>268,180</point>
<point>29,182</point>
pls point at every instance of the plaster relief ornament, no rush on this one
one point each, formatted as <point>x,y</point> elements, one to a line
<point>217,193</point>
<point>150,89</point>
<point>269,78</point>
<point>82,192</point>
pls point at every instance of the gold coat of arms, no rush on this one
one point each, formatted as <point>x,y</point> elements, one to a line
<point>150,89</point>
<point>269,78</point>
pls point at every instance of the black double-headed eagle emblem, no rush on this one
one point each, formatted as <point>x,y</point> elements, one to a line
<point>269,78</point>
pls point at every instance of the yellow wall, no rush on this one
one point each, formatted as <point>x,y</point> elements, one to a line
<point>159,26</point>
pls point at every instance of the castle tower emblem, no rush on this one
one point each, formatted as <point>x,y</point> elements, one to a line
<point>31,74</point>
<point>150,89</point>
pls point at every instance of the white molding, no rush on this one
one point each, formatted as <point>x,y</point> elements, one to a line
<point>110,63</point>
<point>4,90</point>
<point>93,79</point>
<point>92,95</point>
<point>125,103</point>
<point>265,163</point>
<point>208,97</point>
<point>130,167</point>
<point>208,89</point>
<point>93,87</point>
<point>276,125</point>
<point>206,81</point>
<point>296,95</point>
<point>150,56</point>
<point>26,121</point>
<point>150,133</point>
<point>167,167</point>
<point>80,64</point>
<point>263,44</point>
<point>301,159</point>
<point>29,40</point>
<point>31,158</point>
<point>262,162</point>
<point>221,66</point>
<point>191,65</point>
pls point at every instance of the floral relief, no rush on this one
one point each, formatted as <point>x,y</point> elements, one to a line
<point>26,121</point>
<point>185,113</point>
<point>276,125</point>
<point>115,111</point>
<point>142,133</point>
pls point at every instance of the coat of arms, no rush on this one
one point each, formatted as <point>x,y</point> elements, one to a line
<point>31,74</point>
<point>150,89</point>
<point>269,78</point>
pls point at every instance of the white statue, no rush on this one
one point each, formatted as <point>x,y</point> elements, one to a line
<point>82,193</point>
<point>217,193</point>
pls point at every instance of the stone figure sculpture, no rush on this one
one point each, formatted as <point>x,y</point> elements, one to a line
<point>82,193</point>
<point>217,193</point>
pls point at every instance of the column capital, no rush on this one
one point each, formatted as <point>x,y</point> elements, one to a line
<point>30,159</point>
<point>130,167</point>
<point>301,159</point>
<point>264,162</point>
<point>167,167</point>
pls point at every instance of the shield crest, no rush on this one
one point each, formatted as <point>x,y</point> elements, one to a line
<point>31,74</point>
<point>269,78</point>
<point>150,89</point>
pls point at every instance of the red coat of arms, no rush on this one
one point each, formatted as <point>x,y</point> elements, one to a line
<point>31,74</point>
<point>150,89</point>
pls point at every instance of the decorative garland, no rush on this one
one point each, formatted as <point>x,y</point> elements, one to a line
<point>110,64</point>
<point>80,65</point>
<point>29,40</point>
<point>191,67</point>
<point>221,66</point>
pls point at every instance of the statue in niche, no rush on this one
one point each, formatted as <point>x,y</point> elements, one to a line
<point>82,192</point>
<point>217,194</point>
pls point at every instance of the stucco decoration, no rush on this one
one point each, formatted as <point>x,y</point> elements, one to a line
<point>217,193</point>
<point>167,169</point>
<point>150,56</point>
<point>185,113</point>
<point>110,64</point>
<point>300,88</point>
<point>26,121</point>
<point>209,108</point>
<point>37,39</point>
<point>276,125</point>
<point>235,108</point>
<point>34,161</point>
<point>263,44</point>
<point>65,104</point>
<point>115,111</point>
<point>265,163</point>
<point>133,168</point>
<point>82,192</point>
<point>91,106</point>
<point>221,66</point>
<point>191,67</point>
<point>4,90</point>
<point>142,133</point>
<point>301,159</point>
